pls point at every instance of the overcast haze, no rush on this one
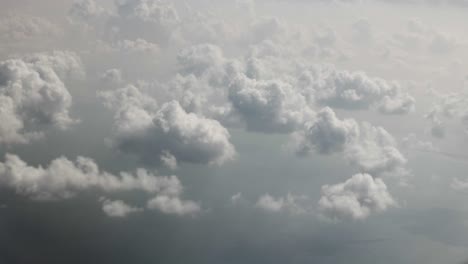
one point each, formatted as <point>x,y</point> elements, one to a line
<point>248,131</point>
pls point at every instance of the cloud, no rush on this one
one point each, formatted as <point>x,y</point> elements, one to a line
<point>269,106</point>
<point>375,151</point>
<point>85,10</point>
<point>327,134</point>
<point>459,184</point>
<point>448,106</point>
<point>200,58</point>
<point>118,208</point>
<point>236,198</point>
<point>34,96</point>
<point>138,46</point>
<point>148,131</point>
<point>173,205</point>
<point>419,37</point>
<point>356,198</point>
<point>412,142</point>
<point>112,77</point>
<point>63,179</point>
<point>290,203</point>
<point>372,149</point>
<point>146,19</point>
<point>17,27</point>
<point>355,90</point>
<point>169,160</point>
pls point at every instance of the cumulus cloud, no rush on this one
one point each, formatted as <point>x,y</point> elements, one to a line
<point>169,160</point>
<point>85,10</point>
<point>112,77</point>
<point>372,149</point>
<point>198,59</point>
<point>148,131</point>
<point>290,203</point>
<point>118,208</point>
<point>327,134</point>
<point>173,205</point>
<point>448,106</point>
<point>355,90</point>
<point>375,151</point>
<point>269,106</point>
<point>34,96</point>
<point>146,19</point>
<point>64,178</point>
<point>17,27</point>
<point>356,198</point>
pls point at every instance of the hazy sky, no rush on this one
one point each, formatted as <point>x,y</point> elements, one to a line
<point>248,131</point>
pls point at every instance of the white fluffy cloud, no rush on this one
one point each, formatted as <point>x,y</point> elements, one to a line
<point>173,205</point>
<point>34,96</point>
<point>372,149</point>
<point>63,178</point>
<point>355,90</point>
<point>269,106</point>
<point>149,131</point>
<point>118,208</point>
<point>356,198</point>
<point>375,151</point>
<point>327,134</point>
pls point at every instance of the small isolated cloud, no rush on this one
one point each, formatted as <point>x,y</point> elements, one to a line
<point>290,203</point>
<point>173,205</point>
<point>168,160</point>
<point>356,198</point>
<point>236,198</point>
<point>118,208</point>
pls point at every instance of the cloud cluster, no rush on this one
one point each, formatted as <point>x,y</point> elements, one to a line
<point>153,132</point>
<point>356,198</point>
<point>64,178</point>
<point>355,90</point>
<point>34,96</point>
<point>269,106</point>
<point>372,149</point>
